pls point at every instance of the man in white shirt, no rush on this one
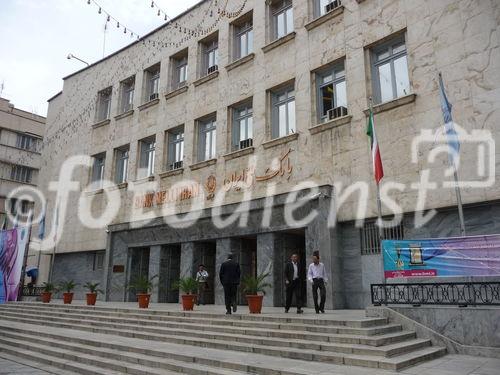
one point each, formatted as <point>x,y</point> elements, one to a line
<point>317,276</point>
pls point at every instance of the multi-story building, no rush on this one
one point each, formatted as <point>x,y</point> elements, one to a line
<point>213,130</point>
<point>21,135</point>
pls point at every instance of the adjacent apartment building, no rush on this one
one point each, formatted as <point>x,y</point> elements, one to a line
<point>227,111</point>
<point>21,135</point>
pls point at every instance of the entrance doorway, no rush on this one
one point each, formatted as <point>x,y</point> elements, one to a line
<point>293,242</point>
<point>170,270</point>
<point>205,253</point>
<point>138,266</point>
<point>248,263</point>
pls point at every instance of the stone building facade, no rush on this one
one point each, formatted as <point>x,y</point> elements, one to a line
<point>244,110</point>
<point>21,135</point>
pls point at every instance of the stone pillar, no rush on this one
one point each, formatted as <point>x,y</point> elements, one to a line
<point>324,239</point>
<point>265,263</point>
<point>224,246</point>
<point>154,270</point>
<point>187,261</point>
<point>117,255</point>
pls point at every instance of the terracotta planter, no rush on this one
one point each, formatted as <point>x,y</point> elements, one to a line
<point>68,298</point>
<point>188,301</point>
<point>255,303</point>
<point>46,297</point>
<point>143,300</point>
<point>91,299</point>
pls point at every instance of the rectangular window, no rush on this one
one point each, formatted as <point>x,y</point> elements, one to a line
<point>323,7</point>
<point>121,164</point>
<point>283,112</point>
<point>370,237</point>
<point>98,263</point>
<point>152,77</point>
<point>282,16</point>
<point>27,142</point>
<point>390,71</point>
<point>147,157</point>
<point>175,139</point>
<point>243,39</point>
<point>180,73</point>
<point>98,171</point>
<point>21,174</point>
<point>127,92</point>
<point>331,92</point>
<point>104,104</point>
<point>207,139</point>
<point>242,126</point>
<point>210,56</point>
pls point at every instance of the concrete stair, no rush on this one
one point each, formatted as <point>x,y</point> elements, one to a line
<point>136,341</point>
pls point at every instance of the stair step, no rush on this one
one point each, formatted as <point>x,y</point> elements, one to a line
<point>168,322</point>
<point>308,355</point>
<point>226,341</point>
<point>352,322</point>
<point>35,365</point>
<point>117,361</point>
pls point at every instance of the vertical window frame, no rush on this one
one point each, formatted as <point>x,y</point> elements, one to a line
<point>236,119</point>
<point>98,170</point>
<point>175,139</point>
<point>275,108</point>
<point>147,155</point>
<point>122,159</point>
<point>206,126</point>
<point>276,11</point>
<point>319,77</point>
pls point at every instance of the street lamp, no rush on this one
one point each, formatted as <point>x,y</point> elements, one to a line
<point>71,56</point>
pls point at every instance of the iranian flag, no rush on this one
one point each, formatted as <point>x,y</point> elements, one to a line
<point>378,169</point>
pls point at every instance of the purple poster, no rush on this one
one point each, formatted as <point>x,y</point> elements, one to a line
<point>455,256</point>
<point>12,248</point>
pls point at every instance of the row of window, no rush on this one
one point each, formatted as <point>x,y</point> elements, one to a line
<point>20,140</point>
<point>19,173</point>
<point>282,24</point>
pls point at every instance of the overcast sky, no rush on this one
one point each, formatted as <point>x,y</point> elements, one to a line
<point>37,35</point>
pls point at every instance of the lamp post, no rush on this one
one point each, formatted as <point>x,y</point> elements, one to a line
<point>71,56</point>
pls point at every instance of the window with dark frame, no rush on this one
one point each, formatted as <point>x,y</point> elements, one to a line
<point>180,72</point>
<point>21,173</point>
<point>127,94</point>
<point>207,136</point>
<point>390,70</point>
<point>282,18</point>
<point>27,142</point>
<point>243,39</point>
<point>242,129</point>
<point>331,91</point>
<point>370,237</point>
<point>104,104</point>
<point>152,82</point>
<point>175,139</point>
<point>147,149</point>
<point>98,263</point>
<point>98,171</point>
<point>283,112</point>
<point>322,7</point>
<point>121,164</point>
<point>210,56</point>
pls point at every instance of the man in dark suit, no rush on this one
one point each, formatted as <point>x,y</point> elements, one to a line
<point>293,283</point>
<point>229,275</point>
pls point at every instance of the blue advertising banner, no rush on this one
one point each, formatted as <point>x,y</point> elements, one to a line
<point>454,256</point>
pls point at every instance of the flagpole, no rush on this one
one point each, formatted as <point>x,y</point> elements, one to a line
<point>447,107</point>
<point>56,224</point>
<point>26,253</point>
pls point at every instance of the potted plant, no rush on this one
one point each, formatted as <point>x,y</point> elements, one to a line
<point>47,290</point>
<point>254,288</point>
<point>188,286</point>
<point>142,287</point>
<point>67,288</point>
<point>92,293</point>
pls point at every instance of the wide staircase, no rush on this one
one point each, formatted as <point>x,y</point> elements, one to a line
<point>115,340</point>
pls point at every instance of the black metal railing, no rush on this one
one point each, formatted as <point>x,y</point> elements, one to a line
<point>34,291</point>
<point>454,293</point>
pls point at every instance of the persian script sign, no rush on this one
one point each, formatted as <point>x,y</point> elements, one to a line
<point>167,196</point>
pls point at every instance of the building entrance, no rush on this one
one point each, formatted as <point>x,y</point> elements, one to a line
<point>248,263</point>
<point>205,253</point>
<point>170,269</point>
<point>138,266</point>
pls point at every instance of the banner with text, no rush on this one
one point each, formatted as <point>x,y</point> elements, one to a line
<point>12,248</point>
<point>454,256</point>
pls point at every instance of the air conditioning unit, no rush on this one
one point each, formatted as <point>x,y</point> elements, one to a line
<point>213,69</point>
<point>176,165</point>
<point>153,96</point>
<point>337,112</point>
<point>246,143</point>
<point>331,6</point>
